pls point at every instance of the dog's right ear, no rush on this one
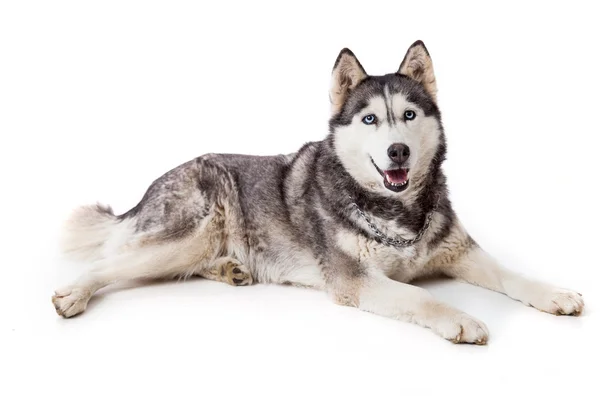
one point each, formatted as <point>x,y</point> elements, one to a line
<point>347,73</point>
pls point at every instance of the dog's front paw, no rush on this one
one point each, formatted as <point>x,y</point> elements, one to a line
<point>557,301</point>
<point>461,328</point>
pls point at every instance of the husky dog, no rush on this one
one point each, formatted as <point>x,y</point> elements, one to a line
<point>357,215</point>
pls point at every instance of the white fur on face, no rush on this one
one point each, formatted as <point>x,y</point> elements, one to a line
<point>358,143</point>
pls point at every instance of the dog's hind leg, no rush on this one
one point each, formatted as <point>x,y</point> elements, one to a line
<point>153,261</point>
<point>187,219</point>
<point>160,253</point>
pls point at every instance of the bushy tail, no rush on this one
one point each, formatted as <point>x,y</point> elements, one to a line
<point>86,231</point>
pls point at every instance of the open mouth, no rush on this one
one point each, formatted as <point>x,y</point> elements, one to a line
<point>395,180</point>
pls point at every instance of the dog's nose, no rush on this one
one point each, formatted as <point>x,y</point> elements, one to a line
<point>398,153</point>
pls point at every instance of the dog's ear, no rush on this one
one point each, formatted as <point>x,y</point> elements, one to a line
<point>418,66</point>
<point>347,73</point>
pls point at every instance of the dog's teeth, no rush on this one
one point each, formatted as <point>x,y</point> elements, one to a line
<point>398,184</point>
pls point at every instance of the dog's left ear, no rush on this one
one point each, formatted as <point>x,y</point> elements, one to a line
<point>347,73</point>
<point>417,65</point>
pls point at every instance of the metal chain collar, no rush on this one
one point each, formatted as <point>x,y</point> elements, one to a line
<point>398,242</point>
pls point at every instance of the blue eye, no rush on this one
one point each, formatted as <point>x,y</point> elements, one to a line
<point>409,115</point>
<point>369,119</point>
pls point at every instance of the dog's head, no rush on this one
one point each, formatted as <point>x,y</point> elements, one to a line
<point>387,129</point>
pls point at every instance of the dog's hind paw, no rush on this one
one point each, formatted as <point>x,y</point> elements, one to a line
<point>234,273</point>
<point>70,301</point>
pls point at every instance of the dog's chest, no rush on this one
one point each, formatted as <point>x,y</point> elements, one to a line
<point>403,264</point>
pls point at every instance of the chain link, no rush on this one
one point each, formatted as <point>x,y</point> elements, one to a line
<point>399,242</point>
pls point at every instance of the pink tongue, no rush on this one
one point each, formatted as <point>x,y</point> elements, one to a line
<point>396,175</point>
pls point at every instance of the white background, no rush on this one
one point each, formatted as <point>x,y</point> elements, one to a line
<point>97,99</point>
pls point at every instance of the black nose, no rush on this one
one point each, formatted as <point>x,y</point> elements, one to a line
<point>398,153</point>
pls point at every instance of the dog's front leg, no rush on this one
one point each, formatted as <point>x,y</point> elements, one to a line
<point>477,267</point>
<point>383,296</point>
